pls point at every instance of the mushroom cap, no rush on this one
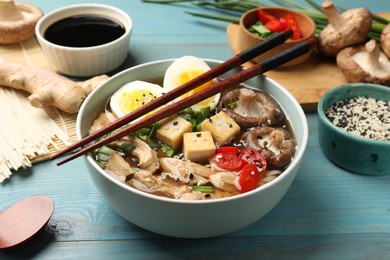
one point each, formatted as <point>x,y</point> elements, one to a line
<point>15,31</point>
<point>385,40</point>
<point>253,108</point>
<point>332,41</point>
<point>355,72</point>
<point>274,143</point>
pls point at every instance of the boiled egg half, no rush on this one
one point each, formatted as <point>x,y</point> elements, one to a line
<point>134,95</point>
<point>184,69</point>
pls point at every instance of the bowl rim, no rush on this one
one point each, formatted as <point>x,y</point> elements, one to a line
<point>84,6</point>
<point>246,31</point>
<point>341,89</point>
<point>300,149</point>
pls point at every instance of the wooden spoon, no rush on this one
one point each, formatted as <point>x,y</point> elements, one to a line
<point>24,219</point>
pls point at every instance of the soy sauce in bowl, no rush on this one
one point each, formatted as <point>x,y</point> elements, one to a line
<point>84,31</point>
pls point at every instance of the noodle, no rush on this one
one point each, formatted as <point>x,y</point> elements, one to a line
<point>25,132</point>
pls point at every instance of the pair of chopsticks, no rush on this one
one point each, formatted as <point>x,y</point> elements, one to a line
<point>216,88</point>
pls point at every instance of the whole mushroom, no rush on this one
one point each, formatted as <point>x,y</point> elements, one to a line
<point>385,40</point>
<point>17,21</point>
<point>365,63</point>
<point>344,30</point>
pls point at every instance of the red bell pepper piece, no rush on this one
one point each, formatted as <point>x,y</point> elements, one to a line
<point>253,156</point>
<point>228,149</point>
<point>264,17</point>
<point>275,26</point>
<point>249,178</point>
<point>230,162</point>
<point>291,23</point>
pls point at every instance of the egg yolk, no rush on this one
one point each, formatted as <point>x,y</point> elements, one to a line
<point>189,75</point>
<point>132,100</point>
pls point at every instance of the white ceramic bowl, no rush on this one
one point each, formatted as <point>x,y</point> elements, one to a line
<point>85,61</point>
<point>190,219</point>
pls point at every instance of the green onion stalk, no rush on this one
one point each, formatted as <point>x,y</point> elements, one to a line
<point>237,7</point>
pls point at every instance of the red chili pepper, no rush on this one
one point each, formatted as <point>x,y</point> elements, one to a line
<point>228,149</point>
<point>290,22</point>
<point>264,17</point>
<point>249,178</point>
<point>253,156</point>
<point>275,26</point>
<point>230,162</point>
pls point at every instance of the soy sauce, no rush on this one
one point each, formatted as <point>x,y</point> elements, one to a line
<point>84,31</point>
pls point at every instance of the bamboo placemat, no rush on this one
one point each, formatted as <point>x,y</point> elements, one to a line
<point>29,52</point>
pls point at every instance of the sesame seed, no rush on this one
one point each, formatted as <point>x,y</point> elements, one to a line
<point>175,123</point>
<point>198,135</point>
<point>362,116</point>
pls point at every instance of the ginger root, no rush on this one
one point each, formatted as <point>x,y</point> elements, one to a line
<point>48,88</point>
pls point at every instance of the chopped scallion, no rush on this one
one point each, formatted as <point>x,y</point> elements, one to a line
<point>203,188</point>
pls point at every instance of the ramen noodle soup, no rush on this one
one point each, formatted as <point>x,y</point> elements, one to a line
<point>228,144</point>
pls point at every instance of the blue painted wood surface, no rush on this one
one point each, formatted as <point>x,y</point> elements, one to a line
<point>327,213</point>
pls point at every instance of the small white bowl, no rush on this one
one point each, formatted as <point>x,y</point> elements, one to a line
<point>186,218</point>
<point>85,61</point>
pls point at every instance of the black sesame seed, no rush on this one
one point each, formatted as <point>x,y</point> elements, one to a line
<point>175,123</point>
<point>207,196</point>
<point>198,134</point>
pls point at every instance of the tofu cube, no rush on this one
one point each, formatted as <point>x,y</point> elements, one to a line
<point>171,132</point>
<point>223,128</point>
<point>198,146</point>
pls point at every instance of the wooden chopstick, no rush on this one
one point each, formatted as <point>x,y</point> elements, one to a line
<point>223,85</point>
<point>235,61</point>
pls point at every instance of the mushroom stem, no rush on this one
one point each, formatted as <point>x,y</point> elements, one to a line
<point>9,11</point>
<point>373,51</point>
<point>334,17</point>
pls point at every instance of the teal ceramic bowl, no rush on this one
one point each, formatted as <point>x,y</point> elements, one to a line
<point>352,152</point>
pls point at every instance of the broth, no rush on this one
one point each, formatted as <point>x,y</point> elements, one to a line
<point>166,182</point>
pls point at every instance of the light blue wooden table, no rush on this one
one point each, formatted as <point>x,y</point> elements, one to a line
<point>327,213</point>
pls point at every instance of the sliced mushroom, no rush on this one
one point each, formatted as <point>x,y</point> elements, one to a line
<point>101,121</point>
<point>118,167</point>
<point>385,40</point>
<point>252,108</point>
<point>365,63</point>
<point>193,196</point>
<point>158,185</point>
<point>185,171</point>
<point>17,21</point>
<point>275,144</point>
<point>147,157</point>
<point>344,30</point>
<point>224,181</point>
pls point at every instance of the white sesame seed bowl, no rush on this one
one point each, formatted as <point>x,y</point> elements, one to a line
<point>354,127</point>
<point>191,218</point>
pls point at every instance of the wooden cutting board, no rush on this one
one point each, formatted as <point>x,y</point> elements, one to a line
<point>308,81</point>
